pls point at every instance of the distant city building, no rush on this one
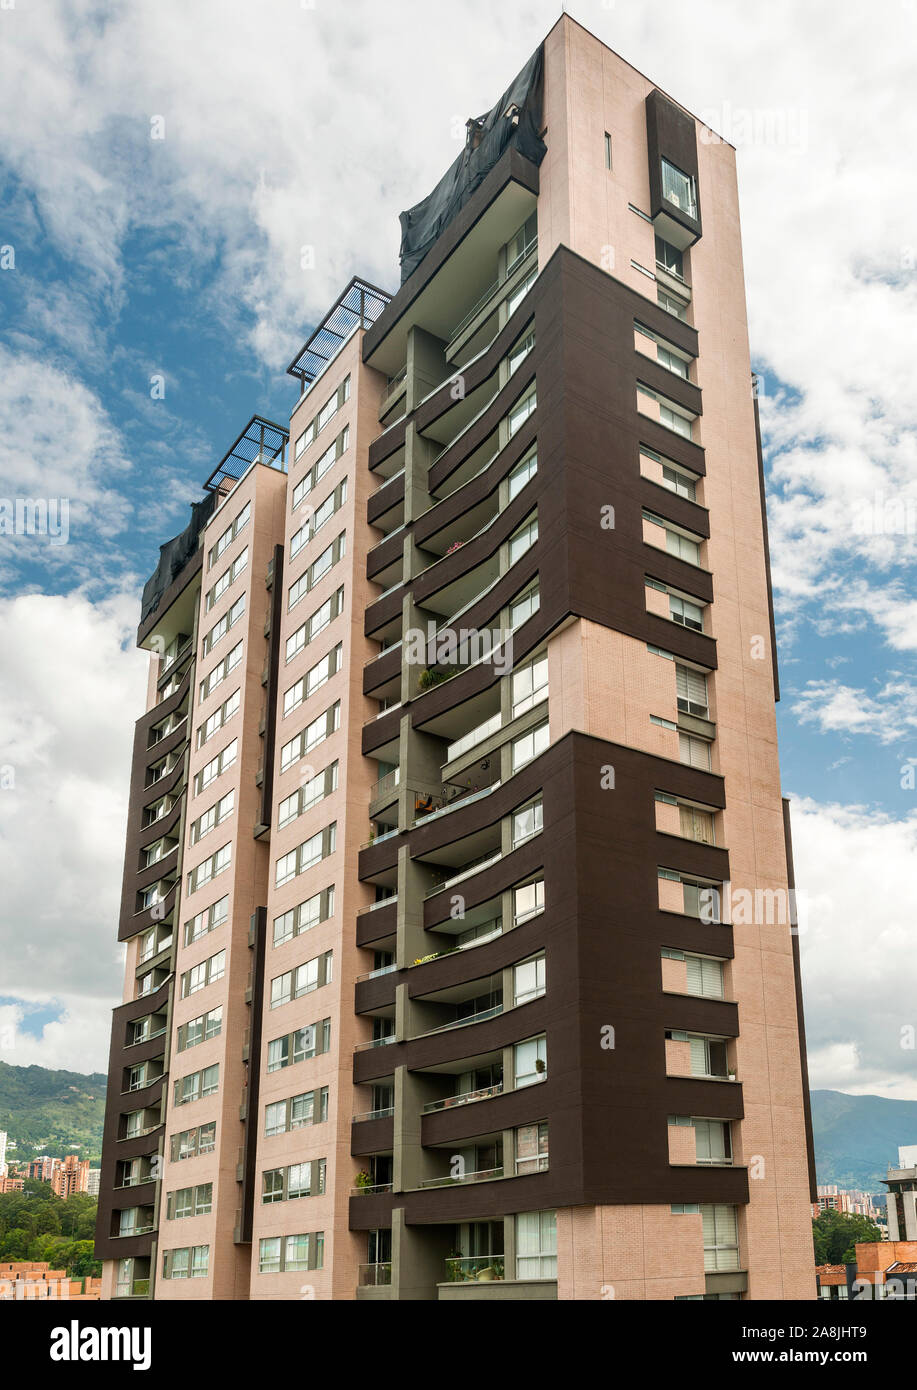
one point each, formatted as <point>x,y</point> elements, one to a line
<point>10,1184</point>
<point>71,1177</point>
<point>30,1280</point>
<point>93,1185</point>
<point>848,1202</point>
<point>890,1266</point>
<point>42,1169</point>
<point>3,1144</point>
<point>901,1201</point>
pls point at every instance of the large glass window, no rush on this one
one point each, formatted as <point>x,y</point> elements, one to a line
<point>530,1062</point>
<point>536,1245</point>
<point>679,188</point>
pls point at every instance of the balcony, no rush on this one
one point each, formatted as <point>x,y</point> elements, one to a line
<point>465,1098</point>
<point>463,1269</point>
<point>482,1175</point>
<point>375,1276</point>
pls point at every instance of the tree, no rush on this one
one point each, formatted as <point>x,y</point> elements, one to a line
<point>15,1245</point>
<point>835,1235</point>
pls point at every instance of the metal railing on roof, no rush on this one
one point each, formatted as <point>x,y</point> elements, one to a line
<point>262,441</point>
<point>358,306</point>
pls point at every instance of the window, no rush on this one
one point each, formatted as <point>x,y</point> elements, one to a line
<point>199,976</point>
<point>207,921</point>
<point>523,540</point>
<point>216,767</point>
<point>304,916</point>
<point>532,1148</point>
<point>679,188</point>
<point>521,411</point>
<point>525,240</point>
<point>529,745</point>
<point>198,1030</point>
<point>524,605</point>
<point>711,1138</point>
<point>536,1245</point>
<point>672,363</point>
<point>683,611</point>
<point>209,869</point>
<point>220,672</point>
<point>292,984</point>
<point>669,258</point>
<point>284,1254</point>
<point>317,570</point>
<point>691,691</point>
<point>530,1062</point>
<point>521,474</point>
<point>705,977</point>
<point>721,1236</point>
<point>197,1085</point>
<point>528,821</point>
<point>298,1180</point>
<point>671,303</point>
<point>696,824</point>
<point>679,482</point>
<point>528,901</point>
<point>322,514</point>
<point>520,352</point>
<point>191,1142</point>
<point>314,679</point>
<point>310,1108</point>
<point>220,629</point>
<point>530,684</point>
<point>708,1056</point>
<point>310,737</point>
<point>308,795</point>
<point>521,290</point>
<point>310,852</point>
<point>674,420</point>
<point>306,633</point>
<point>190,1201</point>
<point>226,578</point>
<point>229,535</point>
<point>319,421</point>
<point>296,1047</point>
<point>529,980</point>
<point>219,717</point>
<point>694,751</point>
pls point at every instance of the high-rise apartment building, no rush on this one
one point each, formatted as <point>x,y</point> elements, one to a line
<point>71,1176</point>
<point>458,886</point>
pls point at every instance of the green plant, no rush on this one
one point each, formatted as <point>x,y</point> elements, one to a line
<point>363,1180</point>
<point>432,675</point>
<point>498,1267</point>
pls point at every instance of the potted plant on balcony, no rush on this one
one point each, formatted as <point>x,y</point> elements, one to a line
<point>363,1180</point>
<point>454,1266</point>
<point>456,545</point>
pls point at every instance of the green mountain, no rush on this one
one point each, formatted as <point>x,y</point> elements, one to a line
<point>857,1137</point>
<point>52,1112</point>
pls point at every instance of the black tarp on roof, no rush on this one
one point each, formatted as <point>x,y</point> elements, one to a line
<point>175,554</point>
<point>514,121</point>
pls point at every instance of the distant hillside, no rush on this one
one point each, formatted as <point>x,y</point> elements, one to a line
<point>857,1137</point>
<point>52,1112</point>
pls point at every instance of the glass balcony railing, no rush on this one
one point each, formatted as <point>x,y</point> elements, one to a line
<point>467,1269</point>
<point>466,1098</point>
<point>482,1175</point>
<point>374,1115</point>
<point>375,1276</point>
<point>476,736</point>
<point>374,907</point>
<point>471,1018</point>
<point>374,1042</point>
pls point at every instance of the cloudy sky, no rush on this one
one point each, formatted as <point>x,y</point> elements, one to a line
<point>162,167</point>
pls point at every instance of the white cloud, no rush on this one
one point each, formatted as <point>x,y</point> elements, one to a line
<point>857,867</point>
<point>77,1040</point>
<point>888,715</point>
<point>71,684</point>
